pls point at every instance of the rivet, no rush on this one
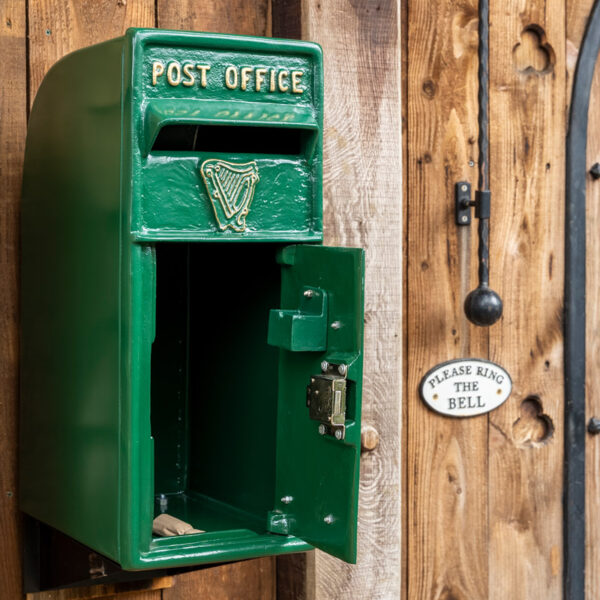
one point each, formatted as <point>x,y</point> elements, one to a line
<point>594,426</point>
<point>464,219</point>
<point>336,325</point>
<point>322,429</point>
<point>463,188</point>
<point>339,434</point>
<point>328,519</point>
<point>309,293</point>
<point>287,499</point>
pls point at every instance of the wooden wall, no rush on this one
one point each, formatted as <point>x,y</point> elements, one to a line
<point>483,512</point>
<point>363,207</point>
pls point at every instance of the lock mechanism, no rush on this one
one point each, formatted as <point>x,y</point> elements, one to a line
<point>326,399</point>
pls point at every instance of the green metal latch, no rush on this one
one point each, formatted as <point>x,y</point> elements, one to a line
<point>303,329</point>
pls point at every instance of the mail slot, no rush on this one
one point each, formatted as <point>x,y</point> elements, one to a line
<point>189,346</point>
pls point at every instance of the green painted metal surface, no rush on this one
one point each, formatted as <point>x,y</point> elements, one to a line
<point>318,472</point>
<point>148,382</point>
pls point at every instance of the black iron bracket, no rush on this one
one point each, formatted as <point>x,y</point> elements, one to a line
<point>462,203</point>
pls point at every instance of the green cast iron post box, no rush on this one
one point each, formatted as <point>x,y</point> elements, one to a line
<point>189,347</point>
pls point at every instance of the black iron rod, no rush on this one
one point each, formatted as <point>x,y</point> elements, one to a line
<point>483,306</point>
<point>483,94</point>
<point>483,140</point>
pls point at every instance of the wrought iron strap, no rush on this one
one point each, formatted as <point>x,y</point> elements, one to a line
<point>575,317</point>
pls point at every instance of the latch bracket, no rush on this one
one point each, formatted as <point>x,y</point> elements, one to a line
<point>326,399</point>
<point>462,202</point>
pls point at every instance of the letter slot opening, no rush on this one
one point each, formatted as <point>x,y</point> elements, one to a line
<point>234,140</point>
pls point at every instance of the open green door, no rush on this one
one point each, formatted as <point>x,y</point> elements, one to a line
<point>319,329</point>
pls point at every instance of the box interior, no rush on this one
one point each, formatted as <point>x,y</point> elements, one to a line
<point>214,384</point>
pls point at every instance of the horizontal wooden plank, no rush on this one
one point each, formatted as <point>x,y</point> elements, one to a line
<point>138,590</point>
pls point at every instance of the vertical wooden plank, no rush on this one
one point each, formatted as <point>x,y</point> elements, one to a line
<point>248,580</point>
<point>232,16</point>
<point>363,207</point>
<point>527,102</point>
<point>57,27</point>
<point>592,456</point>
<point>447,529</point>
<point>13,114</point>
<point>577,16</point>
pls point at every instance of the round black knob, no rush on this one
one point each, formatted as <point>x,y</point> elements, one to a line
<point>483,306</point>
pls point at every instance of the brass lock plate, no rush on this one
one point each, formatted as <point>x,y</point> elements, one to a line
<point>326,399</point>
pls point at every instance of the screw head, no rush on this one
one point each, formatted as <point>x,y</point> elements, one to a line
<point>309,293</point>
<point>324,366</point>
<point>287,499</point>
<point>594,426</point>
<point>338,434</point>
<point>464,219</point>
<point>328,519</point>
<point>336,325</point>
<point>342,369</point>
<point>595,171</point>
<point>463,188</point>
<point>322,429</point>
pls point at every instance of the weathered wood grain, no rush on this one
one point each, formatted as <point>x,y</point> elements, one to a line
<point>447,530</point>
<point>363,207</point>
<point>13,115</point>
<point>592,456</point>
<point>139,590</point>
<point>528,127</point>
<point>57,27</point>
<point>577,16</point>
<point>249,580</point>
<point>233,16</point>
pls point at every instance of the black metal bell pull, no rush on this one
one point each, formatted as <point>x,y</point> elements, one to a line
<point>483,306</point>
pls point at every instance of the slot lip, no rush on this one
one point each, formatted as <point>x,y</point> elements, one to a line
<point>161,113</point>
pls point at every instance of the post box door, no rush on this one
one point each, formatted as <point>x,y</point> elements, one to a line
<point>319,329</point>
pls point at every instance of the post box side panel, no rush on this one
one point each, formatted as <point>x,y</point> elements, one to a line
<point>317,475</point>
<point>69,444</point>
<point>250,108</point>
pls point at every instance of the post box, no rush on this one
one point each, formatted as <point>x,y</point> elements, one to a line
<point>189,346</point>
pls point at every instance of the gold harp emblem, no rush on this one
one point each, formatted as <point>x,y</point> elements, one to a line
<point>230,187</point>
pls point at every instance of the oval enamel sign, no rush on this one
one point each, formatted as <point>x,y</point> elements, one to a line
<point>465,387</point>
